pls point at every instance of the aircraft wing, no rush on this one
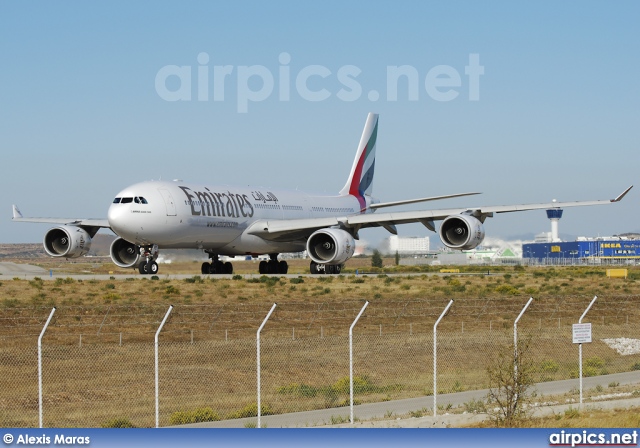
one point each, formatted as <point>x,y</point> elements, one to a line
<point>281,230</point>
<point>80,222</point>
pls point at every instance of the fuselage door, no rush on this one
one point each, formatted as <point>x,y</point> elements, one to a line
<point>168,201</point>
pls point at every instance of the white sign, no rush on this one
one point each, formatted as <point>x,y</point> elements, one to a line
<point>581,333</point>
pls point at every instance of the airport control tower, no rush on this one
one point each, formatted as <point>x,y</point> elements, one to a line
<point>554,215</point>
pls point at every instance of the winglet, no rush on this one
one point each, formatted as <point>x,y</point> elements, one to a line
<point>619,198</point>
<point>16,212</point>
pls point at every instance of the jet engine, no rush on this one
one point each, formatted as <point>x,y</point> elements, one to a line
<point>462,232</point>
<point>124,254</point>
<point>330,246</point>
<point>67,241</point>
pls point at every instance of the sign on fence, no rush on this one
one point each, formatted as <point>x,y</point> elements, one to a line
<point>581,333</point>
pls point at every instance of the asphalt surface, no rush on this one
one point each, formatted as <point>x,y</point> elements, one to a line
<point>10,270</point>
<point>385,414</point>
<point>28,272</point>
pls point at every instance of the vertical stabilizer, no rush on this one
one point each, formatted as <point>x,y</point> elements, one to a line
<point>360,182</point>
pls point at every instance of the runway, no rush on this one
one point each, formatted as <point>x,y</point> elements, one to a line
<point>10,270</point>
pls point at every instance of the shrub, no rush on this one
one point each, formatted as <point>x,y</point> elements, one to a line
<point>37,283</point>
<point>237,277</point>
<point>172,290</point>
<point>507,289</point>
<point>589,371</point>
<point>508,398</point>
<point>594,362</point>
<point>455,285</point>
<point>195,416</point>
<point>194,279</point>
<point>475,406</point>
<point>296,280</point>
<point>118,423</point>
<point>111,296</point>
<point>549,366</point>
<point>251,410</point>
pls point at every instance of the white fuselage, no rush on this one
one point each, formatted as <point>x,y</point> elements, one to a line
<point>177,215</point>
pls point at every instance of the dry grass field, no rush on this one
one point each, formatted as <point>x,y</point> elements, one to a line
<point>98,350</point>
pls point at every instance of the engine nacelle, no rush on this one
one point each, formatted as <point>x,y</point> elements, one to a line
<point>67,241</point>
<point>330,246</point>
<point>124,254</point>
<point>462,232</point>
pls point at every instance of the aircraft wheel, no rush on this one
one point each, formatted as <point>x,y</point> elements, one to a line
<point>142,268</point>
<point>273,266</point>
<point>337,268</point>
<point>205,268</point>
<point>219,267</point>
<point>283,267</point>
<point>152,267</point>
<point>313,268</point>
<point>263,267</point>
<point>228,268</point>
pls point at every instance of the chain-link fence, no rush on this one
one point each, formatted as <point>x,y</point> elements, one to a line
<point>98,365</point>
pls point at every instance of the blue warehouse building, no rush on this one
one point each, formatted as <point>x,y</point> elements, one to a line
<point>597,250</point>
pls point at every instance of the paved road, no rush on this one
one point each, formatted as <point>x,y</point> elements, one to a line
<point>366,412</point>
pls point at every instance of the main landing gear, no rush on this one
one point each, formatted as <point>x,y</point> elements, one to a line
<point>216,266</point>
<point>317,268</point>
<point>273,266</point>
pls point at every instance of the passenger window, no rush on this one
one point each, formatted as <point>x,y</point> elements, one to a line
<point>116,201</point>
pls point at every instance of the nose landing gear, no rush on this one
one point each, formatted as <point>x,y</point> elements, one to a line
<point>148,264</point>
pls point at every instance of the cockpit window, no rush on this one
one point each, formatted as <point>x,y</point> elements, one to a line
<point>137,200</point>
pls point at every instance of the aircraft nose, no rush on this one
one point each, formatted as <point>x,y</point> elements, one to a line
<point>117,219</point>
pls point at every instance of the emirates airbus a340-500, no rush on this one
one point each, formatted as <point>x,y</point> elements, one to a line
<point>226,220</point>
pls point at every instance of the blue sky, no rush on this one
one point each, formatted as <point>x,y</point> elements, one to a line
<point>556,117</point>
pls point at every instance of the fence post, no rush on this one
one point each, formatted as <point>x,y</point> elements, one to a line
<point>351,359</point>
<point>166,316</point>
<point>40,365</point>
<point>258,357</point>
<point>515,339</point>
<point>580,345</point>
<point>435,357</point>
